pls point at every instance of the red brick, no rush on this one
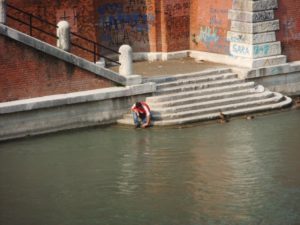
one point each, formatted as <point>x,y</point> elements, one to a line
<point>27,73</point>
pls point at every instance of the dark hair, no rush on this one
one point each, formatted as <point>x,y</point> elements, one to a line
<point>138,104</point>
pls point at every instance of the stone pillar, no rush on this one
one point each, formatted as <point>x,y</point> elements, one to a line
<point>3,11</point>
<point>252,33</point>
<point>63,34</point>
<point>125,59</point>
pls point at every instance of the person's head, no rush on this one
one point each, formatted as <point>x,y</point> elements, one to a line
<point>138,105</point>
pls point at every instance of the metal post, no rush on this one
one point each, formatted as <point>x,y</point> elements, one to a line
<point>30,24</point>
<point>95,49</point>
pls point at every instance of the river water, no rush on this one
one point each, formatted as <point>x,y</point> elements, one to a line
<point>243,172</point>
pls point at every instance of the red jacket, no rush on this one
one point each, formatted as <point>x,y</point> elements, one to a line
<point>142,111</point>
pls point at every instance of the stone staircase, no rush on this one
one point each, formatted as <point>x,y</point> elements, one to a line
<point>194,97</point>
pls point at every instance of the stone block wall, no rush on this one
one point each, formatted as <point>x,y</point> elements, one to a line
<point>171,25</point>
<point>27,73</point>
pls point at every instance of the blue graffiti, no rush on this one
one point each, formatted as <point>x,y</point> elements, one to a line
<point>208,35</point>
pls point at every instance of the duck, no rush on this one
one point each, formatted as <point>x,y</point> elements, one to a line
<point>249,117</point>
<point>223,117</point>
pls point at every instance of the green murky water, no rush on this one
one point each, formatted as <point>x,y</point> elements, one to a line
<point>243,172</point>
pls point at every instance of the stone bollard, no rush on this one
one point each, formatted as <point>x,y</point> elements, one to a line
<point>126,60</point>
<point>101,62</point>
<point>63,34</point>
<point>3,11</point>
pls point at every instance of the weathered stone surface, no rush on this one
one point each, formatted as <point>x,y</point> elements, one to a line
<point>3,11</point>
<point>63,34</point>
<point>125,59</point>
<point>268,61</point>
<point>251,38</point>
<point>251,6</point>
<point>243,16</point>
<point>253,28</point>
<point>255,51</point>
<point>68,111</point>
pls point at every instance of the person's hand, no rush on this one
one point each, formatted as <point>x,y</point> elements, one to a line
<point>144,125</point>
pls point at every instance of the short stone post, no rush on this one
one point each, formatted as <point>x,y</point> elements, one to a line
<point>125,59</point>
<point>63,34</point>
<point>3,11</point>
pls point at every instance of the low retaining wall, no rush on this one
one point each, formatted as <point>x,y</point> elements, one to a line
<point>287,84</point>
<point>74,110</point>
<point>284,78</point>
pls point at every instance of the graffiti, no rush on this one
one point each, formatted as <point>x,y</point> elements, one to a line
<point>255,51</point>
<point>208,35</point>
<point>240,50</point>
<point>257,5</point>
<point>177,8</point>
<point>217,16</point>
<point>212,30</point>
<point>290,29</point>
<point>126,23</point>
<point>261,50</point>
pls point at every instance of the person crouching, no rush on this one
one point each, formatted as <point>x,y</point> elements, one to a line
<point>141,114</point>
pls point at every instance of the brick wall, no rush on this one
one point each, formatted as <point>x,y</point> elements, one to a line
<point>127,22</point>
<point>26,73</point>
<point>159,25</point>
<point>79,13</point>
<point>209,25</point>
<point>289,34</point>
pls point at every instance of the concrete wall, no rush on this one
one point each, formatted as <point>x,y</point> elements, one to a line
<point>284,78</point>
<point>68,111</point>
<point>287,84</point>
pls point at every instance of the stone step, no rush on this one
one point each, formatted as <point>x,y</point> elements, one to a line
<point>286,101</point>
<point>167,116</point>
<point>255,109</point>
<point>169,78</point>
<point>193,87</point>
<point>208,78</point>
<point>204,92</point>
<point>213,103</point>
<point>198,99</point>
<point>250,110</point>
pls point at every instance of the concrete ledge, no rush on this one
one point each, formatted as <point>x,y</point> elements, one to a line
<point>67,57</point>
<point>75,98</point>
<point>155,56</point>
<point>283,78</point>
<point>238,61</point>
<point>68,111</point>
<point>214,57</point>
